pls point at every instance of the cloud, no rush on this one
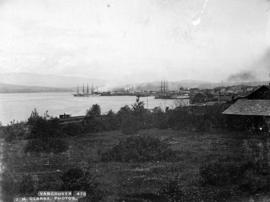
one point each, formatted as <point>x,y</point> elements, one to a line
<point>134,40</point>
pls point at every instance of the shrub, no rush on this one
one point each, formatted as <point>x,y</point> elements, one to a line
<point>135,118</point>
<point>50,182</point>
<point>14,131</point>
<point>93,121</point>
<point>94,111</point>
<point>123,112</point>
<point>238,123</point>
<point>140,149</point>
<point>45,128</point>
<point>93,124</point>
<point>34,117</point>
<point>26,185</point>
<point>245,176</point>
<point>111,121</point>
<point>51,145</point>
<point>72,129</point>
<point>200,118</point>
<point>129,125</point>
<point>9,186</point>
<point>160,118</point>
<point>222,173</point>
<point>76,179</point>
<point>171,191</point>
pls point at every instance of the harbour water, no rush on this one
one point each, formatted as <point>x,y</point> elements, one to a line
<point>18,106</point>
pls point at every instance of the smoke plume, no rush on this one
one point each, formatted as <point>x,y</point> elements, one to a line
<point>242,77</point>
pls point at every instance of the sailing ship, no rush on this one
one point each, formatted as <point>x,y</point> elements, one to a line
<point>85,92</point>
<point>164,94</point>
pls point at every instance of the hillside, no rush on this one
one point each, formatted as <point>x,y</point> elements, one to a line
<point>11,88</point>
<point>125,180</point>
<point>54,81</point>
<point>175,85</point>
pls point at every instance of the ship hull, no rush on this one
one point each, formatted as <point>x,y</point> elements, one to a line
<point>85,95</point>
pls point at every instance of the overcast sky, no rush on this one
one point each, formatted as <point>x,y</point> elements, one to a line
<point>135,40</point>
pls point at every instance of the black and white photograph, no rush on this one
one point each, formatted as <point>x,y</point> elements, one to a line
<point>134,100</point>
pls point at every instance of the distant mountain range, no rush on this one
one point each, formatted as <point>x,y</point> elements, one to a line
<point>10,88</point>
<point>175,85</point>
<point>41,80</point>
<point>28,82</point>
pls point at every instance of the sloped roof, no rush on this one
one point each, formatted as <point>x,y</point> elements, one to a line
<point>254,92</point>
<point>249,108</point>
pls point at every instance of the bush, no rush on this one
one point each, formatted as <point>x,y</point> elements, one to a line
<point>14,131</point>
<point>128,122</point>
<point>140,149</point>
<point>26,186</point>
<point>245,176</point>
<point>111,121</point>
<point>9,186</point>
<point>222,173</point>
<point>160,118</point>
<point>45,128</point>
<point>93,120</point>
<point>72,129</point>
<point>171,191</point>
<point>135,118</point>
<point>129,125</point>
<point>93,124</point>
<point>51,145</point>
<point>50,182</point>
<point>199,118</point>
<point>76,179</point>
<point>34,117</point>
<point>94,111</point>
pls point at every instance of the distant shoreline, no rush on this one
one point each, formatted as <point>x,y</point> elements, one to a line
<point>12,92</point>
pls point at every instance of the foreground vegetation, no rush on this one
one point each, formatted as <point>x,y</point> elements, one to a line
<point>186,154</point>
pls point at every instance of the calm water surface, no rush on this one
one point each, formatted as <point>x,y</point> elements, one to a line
<point>18,106</point>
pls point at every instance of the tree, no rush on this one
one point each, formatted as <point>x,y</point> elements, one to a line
<point>123,113</point>
<point>160,118</point>
<point>138,107</point>
<point>94,111</point>
<point>199,98</point>
<point>43,128</point>
<point>45,134</point>
<point>33,117</point>
<point>111,121</point>
<point>139,114</point>
<point>93,120</point>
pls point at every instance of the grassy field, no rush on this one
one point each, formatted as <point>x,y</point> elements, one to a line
<point>119,179</point>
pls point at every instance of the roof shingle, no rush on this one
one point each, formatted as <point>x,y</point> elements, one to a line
<point>249,108</point>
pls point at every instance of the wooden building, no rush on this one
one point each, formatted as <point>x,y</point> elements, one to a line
<point>255,105</point>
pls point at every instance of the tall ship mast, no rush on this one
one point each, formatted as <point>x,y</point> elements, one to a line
<point>87,89</point>
<point>86,92</point>
<point>92,90</point>
<point>164,93</point>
